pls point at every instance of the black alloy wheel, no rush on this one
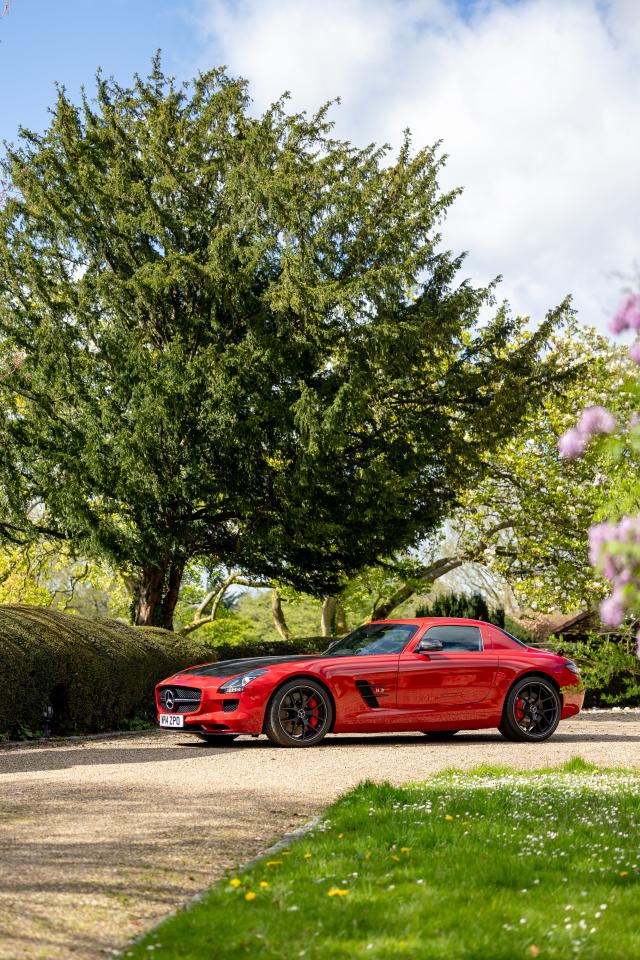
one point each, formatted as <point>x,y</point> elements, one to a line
<point>217,739</point>
<point>440,734</point>
<point>299,715</point>
<point>531,711</point>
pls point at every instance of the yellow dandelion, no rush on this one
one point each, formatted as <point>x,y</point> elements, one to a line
<point>337,892</point>
<point>308,856</point>
<point>623,873</point>
<point>341,836</point>
<point>405,849</point>
<point>274,863</point>
<point>264,884</point>
<point>250,895</point>
<point>448,817</point>
<point>235,882</point>
<point>395,857</point>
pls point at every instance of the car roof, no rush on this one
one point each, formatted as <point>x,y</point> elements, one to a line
<point>422,620</point>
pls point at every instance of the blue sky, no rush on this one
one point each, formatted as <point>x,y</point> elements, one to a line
<point>44,41</point>
<point>537,102</point>
<point>47,41</point>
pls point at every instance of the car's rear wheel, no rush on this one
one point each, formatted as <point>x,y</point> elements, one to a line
<point>299,714</point>
<point>440,734</point>
<point>531,710</point>
<point>217,739</point>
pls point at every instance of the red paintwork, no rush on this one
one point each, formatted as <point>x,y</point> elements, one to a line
<point>441,690</point>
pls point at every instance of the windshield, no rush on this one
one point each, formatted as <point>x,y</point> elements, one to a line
<point>373,638</point>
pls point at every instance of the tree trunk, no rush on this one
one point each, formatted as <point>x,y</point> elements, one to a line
<point>149,596</point>
<point>279,621</point>
<point>172,593</point>
<point>342,626</point>
<point>327,617</point>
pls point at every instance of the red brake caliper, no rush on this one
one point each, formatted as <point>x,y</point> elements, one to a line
<point>311,705</point>
<point>519,710</point>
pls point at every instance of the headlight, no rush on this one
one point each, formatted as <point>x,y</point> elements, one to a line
<point>570,665</point>
<point>237,684</point>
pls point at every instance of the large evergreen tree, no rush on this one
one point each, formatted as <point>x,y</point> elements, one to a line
<point>234,336</point>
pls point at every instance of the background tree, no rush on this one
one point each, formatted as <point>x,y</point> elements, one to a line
<point>527,521</point>
<point>235,338</point>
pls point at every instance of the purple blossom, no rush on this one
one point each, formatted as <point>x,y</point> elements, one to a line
<point>634,351</point>
<point>595,420</point>
<point>628,315</point>
<point>611,612</point>
<point>571,444</point>
<point>599,535</point>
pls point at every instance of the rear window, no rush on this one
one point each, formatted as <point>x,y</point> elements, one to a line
<point>462,639</point>
<point>520,643</point>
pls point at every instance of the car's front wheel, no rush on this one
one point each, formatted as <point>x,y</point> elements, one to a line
<point>299,715</point>
<point>531,710</point>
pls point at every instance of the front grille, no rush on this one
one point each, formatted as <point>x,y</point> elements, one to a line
<point>180,699</point>
<point>228,706</point>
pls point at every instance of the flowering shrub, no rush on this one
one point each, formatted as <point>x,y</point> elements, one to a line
<point>615,543</point>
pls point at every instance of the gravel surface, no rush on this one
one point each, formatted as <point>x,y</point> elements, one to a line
<point>100,838</point>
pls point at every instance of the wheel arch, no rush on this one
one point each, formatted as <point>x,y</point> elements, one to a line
<point>534,673</point>
<point>301,676</point>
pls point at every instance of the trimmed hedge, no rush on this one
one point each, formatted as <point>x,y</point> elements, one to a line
<point>97,675</point>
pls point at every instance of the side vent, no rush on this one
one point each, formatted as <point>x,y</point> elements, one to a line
<point>367,694</point>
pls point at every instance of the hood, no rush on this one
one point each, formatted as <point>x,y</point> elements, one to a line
<point>231,668</point>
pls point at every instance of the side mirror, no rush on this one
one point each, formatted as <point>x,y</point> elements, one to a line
<point>428,645</point>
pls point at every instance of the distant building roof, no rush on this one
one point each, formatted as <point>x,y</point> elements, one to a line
<point>551,624</point>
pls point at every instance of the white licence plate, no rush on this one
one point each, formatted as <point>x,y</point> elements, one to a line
<point>171,720</point>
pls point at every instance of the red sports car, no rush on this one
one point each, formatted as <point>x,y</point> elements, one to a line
<point>434,675</point>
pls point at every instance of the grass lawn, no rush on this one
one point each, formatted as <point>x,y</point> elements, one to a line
<point>493,865</point>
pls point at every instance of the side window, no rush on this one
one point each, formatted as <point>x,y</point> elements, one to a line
<point>465,639</point>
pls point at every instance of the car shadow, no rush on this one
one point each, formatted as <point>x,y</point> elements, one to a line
<point>43,758</point>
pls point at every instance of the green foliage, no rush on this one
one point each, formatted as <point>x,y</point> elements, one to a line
<point>47,574</point>
<point>96,675</point>
<point>236,337</point>
<point>490,864</point>
<point>301,611</point>
<point>229,628</point>
<point>471,606</point>
<point>544,505</point>
<point>609,668</point>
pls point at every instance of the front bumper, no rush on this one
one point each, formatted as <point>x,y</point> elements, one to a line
<point>218,713</point>
<point>572,700</point>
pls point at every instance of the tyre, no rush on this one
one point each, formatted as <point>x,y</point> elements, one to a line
<point>299,715</point>
<point>440,734</point>
<point>531,710</point>
<point>217,739</point>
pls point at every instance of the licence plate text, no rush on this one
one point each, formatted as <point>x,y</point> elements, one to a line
<point>171,720</point>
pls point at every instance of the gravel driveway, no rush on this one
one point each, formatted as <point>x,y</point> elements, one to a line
<point>100,838</point>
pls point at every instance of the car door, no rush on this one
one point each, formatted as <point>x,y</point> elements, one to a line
<point>463,672</point>
<point>363,676</point>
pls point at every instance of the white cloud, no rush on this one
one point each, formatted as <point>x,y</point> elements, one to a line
<point>537,102</point>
